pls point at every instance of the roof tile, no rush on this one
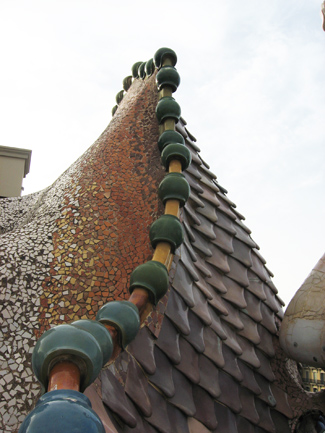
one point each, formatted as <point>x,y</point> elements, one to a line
<point>235,293</point>
<point>238,272</point>
<point>223,240</point>
<point>136,387</point>
<point>242,252</point>
<point>243,236</point>
<point>209,195</point>
<point>253,308</point>
<point>265,367</point>
<point>208,210</point>
<point>218,259</point>
<point>231,340</point>
<point>192,217</point>
<point>248,411</point>
<point>201,308</point>
<point>163,378</point>
<point>209,376</point>
<point>218,304</point>
<point>266,421</point>
<point>114,397</point>
<point>201,244</point>
<point>159,417</point>
<point>259,269</point>
<point>216,280</point>
<point>195,337</point>
<point>248,354</point>
<point>226,419</point>
<point>266,393</point>
<point>142,349</point>
<point>250,329</point>
<point>187,262</point>
<point>256,286</point>
<point>168,341</point>
<point>233,316</point>
<point>280,421</point>
<point>205,227</point>
<point>182,283</point>
<point>229,392</point>
<point>196,426</point>
<point>213,347</point>
<point>177,419</point>
<point>268,320</point>
<point>216,324</point>
<point>189,364</point>
<point>225,223</point>
<point>177,312</point>
<point>244,426</point>
<point>249,380</point>
<point>204,408</point>
<point>183,398</point>
<point>282,404</point>
<point>226,209</point>
<point>231,365</point>
<point>266,343</point>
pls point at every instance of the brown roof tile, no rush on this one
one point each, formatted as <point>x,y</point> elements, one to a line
<point>142,350</point>
<point>248,411</point>
<point>195,337</point>
<point>177,312</point>
<point>229,392</point>
<point>213,347</point>
<point>136,387</point>
<point>204,408</point>
<point>114,397</point>
<point>168,341</point>
<point>209,376</point>
<point>231,365</point>
<point>226,419</point>
<point>183,398</point>
<point>163,378</point>
<point>189,364</point>
<point>159,417</point>
<point>248,380</point>
<point>266,421</point>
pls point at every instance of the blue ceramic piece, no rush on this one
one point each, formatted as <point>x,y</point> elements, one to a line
<point>101,334</point>
<point>150,67</point>
<point>168,108</point>
<point>135,69</point>
<point>124,316</point>
<point>176,151</point>
<point>62,411</point>
<point>168,76</point>
<point>66,342</point>
<point>152,276</point>
<point>167,228</point>
<point>168,137</point>
<point>163,53</point>
<point>174,186</point>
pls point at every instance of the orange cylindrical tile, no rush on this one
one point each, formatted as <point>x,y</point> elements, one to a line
<point>64,375</point>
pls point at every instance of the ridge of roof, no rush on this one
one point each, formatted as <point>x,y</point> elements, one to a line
<point>206,358</point>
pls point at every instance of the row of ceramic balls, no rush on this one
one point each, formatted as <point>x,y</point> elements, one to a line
<point>88,343</point>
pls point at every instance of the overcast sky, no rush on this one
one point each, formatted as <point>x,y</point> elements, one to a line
<point>252,92</point>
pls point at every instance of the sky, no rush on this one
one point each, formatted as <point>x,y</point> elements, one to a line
<point>252,93</point>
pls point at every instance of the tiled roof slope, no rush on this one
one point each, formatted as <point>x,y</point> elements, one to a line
<point>216,365</point>
<point>207,357</point>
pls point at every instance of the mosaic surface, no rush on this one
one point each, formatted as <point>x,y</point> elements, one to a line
<point>207,359</point>
<point>67,250</point>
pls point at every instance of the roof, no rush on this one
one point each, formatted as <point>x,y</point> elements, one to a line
<point>207,357</point>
